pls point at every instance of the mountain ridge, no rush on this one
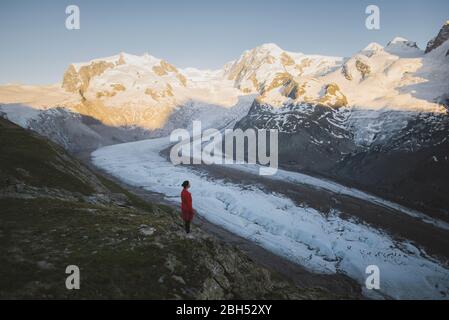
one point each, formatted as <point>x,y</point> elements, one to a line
<point>126,97</point>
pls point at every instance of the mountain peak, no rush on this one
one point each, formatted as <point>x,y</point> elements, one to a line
<point>373,45</point>
<point>402,42</point>
<point>269,46</point>
<point>372,49</point>
<point>441,38</point>
<point>403,47</point>
<point>272,48</point>
<point>398,40</point>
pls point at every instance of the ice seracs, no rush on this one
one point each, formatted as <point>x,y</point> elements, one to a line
<point>324,243</point>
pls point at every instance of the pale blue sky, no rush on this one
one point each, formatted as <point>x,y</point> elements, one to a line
<point>36,46</point>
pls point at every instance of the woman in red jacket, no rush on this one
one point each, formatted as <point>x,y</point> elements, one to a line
<point>186,206</point>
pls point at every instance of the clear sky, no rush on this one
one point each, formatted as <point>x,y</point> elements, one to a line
<point>36,47</point>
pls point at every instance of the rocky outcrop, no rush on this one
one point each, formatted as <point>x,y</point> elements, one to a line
<point>158,94</point>
<point>346,73</point>
<point>279,80</point>
<point>78,81</point>
<point>333,96</point>
<point>286,60</point>
<point>363,68</point>
<point>164,68</point>
<point>442,37</point>
<point>115,89</point>
<point>311,137</point>
<point>259,69</point>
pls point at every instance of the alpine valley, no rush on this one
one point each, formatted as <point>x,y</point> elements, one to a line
<point>377,120</point>
<point>375,124</point>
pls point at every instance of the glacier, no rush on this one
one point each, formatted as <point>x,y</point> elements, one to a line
<point>321,243</point>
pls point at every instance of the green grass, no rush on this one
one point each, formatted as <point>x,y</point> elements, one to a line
<point>115,259</point>
<point>35,162</point>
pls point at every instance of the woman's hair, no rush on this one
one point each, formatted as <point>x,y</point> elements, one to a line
<point>185,183</point>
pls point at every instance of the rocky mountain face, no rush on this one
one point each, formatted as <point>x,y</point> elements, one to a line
<point>402,157</point>
<point>386,131</point>
<point>266,67</point>
<point>277,76</point>
<point>126,90</point>
<point>310,137</point>
<point>441,38</point>
<point>411,166</point>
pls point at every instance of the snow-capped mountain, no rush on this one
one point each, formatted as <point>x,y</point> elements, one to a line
<point>128,90</point>
<point>122,98</point>
<point>127,97</point>
<point>397,76</point>
<point>126,74</point>
<point>268,66</point>
<point>335,114</point>
<point>403,48</point>
<point>379,121</point>
<point>275,74</point>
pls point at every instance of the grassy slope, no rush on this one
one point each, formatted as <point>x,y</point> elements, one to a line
<point>55,213</point>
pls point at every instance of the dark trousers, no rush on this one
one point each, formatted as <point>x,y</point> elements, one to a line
<point>187,226</point>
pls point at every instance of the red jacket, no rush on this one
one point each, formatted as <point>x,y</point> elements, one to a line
<point>186,205</point>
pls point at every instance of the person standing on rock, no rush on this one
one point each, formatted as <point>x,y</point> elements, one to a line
<point>187,211</point>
